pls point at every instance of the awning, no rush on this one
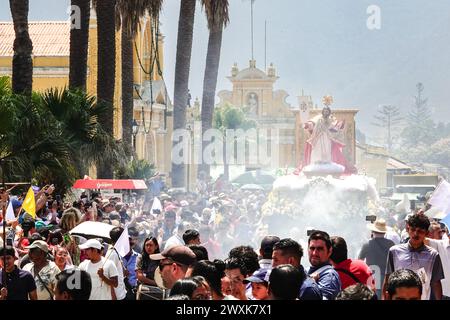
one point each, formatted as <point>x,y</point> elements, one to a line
<point>109,184</point>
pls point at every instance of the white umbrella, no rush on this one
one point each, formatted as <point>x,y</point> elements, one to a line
<point>92,229</point>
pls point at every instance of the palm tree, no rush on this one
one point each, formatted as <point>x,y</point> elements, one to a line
<point>79,41</point>
<point>129,16</point>
<point>218,17</point>
<point>66,136</point>
<point>106,56</point>
<point>22,64</point>
<point>182,68</point>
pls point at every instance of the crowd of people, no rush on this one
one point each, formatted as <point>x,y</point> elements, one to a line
<point>213,243</point>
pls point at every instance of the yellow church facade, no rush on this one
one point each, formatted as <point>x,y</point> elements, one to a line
<point>51,51</point>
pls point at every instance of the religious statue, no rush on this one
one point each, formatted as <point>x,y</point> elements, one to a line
<point>324,146</point>
<point>252,103</point>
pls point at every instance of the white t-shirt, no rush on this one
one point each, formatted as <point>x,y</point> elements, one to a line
<point>443,248</point>
<point>121,291</point>
<point>100,290</point>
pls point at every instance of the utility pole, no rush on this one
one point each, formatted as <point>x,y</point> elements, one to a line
<point>251,12</point>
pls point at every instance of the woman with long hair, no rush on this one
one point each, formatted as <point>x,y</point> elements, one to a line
<point>145,267</point>
<point>213,272</point>
<point>70,219</point>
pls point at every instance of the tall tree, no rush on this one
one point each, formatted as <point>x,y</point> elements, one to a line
<point>22,64</point>
<point>217,17</point>
<point>79,41</point>
<point>419,127</point>
<point>129,17</point>
<point>388,118</point>
<point>182,68</point>
<point>230,117</point>
<point>106,56</point>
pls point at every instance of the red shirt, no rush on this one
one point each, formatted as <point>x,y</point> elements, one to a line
<point>359,269</point>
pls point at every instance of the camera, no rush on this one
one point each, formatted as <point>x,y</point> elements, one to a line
<point>9,242</point>
<point>372,219</point>
<point>309,232</point>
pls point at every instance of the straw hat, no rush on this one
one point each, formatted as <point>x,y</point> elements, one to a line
<point>378,226</point>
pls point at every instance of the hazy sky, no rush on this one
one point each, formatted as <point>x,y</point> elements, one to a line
<point>323,47</point>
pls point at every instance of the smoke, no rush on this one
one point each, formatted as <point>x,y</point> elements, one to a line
<point>338,206</point>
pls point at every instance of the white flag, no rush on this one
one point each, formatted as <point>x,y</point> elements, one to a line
<point>404,205</point>
<point>123,243</point>
<point>212,219</point>
<point>156,205</point>
<point>440,198</point>
<point>10,212</point>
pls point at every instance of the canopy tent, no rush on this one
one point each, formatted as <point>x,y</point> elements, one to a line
<point>110,184</point>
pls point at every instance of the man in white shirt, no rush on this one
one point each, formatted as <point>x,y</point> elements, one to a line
<point>104,274</point>
<point>443,248</point>
<point>113,256</point>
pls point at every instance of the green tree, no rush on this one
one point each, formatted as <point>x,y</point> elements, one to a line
<point>388,117</point>
<point>53,137</point>
<point>136,169</point>
<point>182,69</point>
<point>439,152</point>
<point>217,16</point>
<point>22,64</point>
<point>419,126</point>
<point>230,117</point>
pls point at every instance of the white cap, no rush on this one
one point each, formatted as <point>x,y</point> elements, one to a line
<point>91,243</point>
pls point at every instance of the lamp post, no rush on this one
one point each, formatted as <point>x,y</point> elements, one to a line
<point>135,130</point>
<point>189,129</point>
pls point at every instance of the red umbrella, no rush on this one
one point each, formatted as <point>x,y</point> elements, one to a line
<point>109,184</point>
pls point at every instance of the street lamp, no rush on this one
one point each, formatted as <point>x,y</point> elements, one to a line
<point>135,130</point>
<point>189,129</point>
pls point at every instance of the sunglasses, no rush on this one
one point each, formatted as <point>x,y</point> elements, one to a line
<point>162,265</point>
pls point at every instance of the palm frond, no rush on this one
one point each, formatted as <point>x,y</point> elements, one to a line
<point>217,13</point>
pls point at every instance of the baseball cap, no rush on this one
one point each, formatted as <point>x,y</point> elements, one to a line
<point>180,254</point>
<point>258,276</point>
<point>16,203</point>
<point>91,243</point>
<point>267,243</point>
<point>39,244</point>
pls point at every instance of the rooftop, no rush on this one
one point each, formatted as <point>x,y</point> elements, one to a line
<point>50,38</point>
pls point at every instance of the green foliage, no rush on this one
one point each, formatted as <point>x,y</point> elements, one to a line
<point>419,126</point>
<point>53,137</point>
<point>231,117</point>
<point>136,169</point>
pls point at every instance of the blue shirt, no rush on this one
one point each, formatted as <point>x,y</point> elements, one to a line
<point>129,262</point>
<point>156,186</point>
<point>329,283</point>
<point>309,289</point>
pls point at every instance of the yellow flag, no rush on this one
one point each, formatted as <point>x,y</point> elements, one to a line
<point>29,204</point>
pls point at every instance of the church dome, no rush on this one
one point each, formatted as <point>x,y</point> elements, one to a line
<point>251,73</point>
